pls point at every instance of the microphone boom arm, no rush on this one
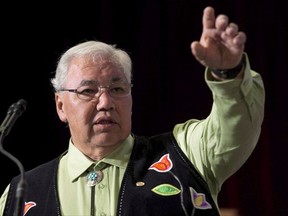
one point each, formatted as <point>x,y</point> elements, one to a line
<point>14,111</point>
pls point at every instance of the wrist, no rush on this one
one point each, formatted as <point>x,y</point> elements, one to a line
<point>229,73</point>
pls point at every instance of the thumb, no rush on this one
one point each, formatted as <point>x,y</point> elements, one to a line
<point>198,51</point>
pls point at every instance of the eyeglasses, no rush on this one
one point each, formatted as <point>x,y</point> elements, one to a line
<point>89,92</point>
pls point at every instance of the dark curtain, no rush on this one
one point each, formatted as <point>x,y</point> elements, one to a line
<point>168,82</point>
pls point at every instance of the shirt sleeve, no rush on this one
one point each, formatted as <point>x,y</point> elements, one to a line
<point>3,199</point>
<point>220,144</point>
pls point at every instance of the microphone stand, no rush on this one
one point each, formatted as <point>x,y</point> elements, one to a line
<point>13,113</point>
<point>20,191</point>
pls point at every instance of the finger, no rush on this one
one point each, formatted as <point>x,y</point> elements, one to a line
<point>240,39</point>
<point>208,19</point>
<point>221,22</point>
<point>236,43</point>
<point>232,29</point>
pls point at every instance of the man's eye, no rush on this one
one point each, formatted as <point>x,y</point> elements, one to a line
<point>117,89</point>
<point>88,91</point>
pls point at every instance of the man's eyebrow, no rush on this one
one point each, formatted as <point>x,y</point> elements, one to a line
<point>88,82</point>
<point>94,82</point>
<point>116,79</point>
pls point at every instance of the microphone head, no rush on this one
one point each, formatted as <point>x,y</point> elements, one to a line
<point>18,107</point>
<point>21,106</point>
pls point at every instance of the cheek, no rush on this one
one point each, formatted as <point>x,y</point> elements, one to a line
<point>77,113</point>
<point>126,111</point>
<point>128,107</point>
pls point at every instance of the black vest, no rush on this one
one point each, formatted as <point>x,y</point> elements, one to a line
<point>159,180</point>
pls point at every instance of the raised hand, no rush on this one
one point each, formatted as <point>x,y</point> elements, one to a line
<point>221,44</point>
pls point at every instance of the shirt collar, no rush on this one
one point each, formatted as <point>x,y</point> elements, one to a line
<point>78,163</point>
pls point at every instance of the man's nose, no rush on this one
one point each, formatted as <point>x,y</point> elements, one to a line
<point>105,101</point>
<point>102,89</point>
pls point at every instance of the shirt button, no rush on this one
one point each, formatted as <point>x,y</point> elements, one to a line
<point>102,214</point>
<point>101,186</point>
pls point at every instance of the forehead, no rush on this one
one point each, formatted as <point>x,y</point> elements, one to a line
<point>100,70</point>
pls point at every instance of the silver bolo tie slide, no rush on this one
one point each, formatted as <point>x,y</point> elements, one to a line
<point>94,177</point>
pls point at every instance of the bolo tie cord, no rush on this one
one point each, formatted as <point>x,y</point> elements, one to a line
<point>93,178</point>
<point>92,200</point>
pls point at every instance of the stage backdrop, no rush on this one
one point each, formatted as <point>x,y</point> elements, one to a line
<point>168,82</point>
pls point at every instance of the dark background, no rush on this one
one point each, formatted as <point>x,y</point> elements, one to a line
<point>168,82</point>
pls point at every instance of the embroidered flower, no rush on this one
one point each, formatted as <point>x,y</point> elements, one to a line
<point>199,200</point>
<point>28,206</point>
<point>163,165</point>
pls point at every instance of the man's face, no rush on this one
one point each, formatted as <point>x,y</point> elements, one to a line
<point>104,121</point>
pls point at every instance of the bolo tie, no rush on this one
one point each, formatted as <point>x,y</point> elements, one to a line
<point>92,179</point>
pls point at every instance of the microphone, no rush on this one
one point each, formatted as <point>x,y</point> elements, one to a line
<point>14,111</point>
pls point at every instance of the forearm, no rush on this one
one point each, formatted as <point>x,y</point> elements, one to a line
<point>220,144</point>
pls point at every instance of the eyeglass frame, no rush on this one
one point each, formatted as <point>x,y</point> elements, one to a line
<point>99,92</point>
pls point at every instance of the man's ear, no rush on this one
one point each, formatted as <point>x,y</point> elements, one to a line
<point>60,108</point>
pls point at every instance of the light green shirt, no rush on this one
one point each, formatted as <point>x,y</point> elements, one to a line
<point>75,194</point>
<point>217,146</point>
